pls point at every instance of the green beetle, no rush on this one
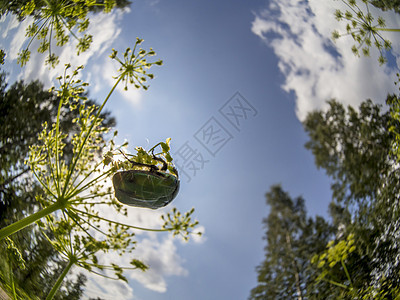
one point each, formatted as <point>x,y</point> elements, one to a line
<point>153,188</point>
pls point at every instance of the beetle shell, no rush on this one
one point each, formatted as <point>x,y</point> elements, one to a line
<point>145,188</point>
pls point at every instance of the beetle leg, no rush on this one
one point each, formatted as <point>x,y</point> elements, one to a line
<point>152,167</point>
<point>176,171</point>
<point>164,167</point>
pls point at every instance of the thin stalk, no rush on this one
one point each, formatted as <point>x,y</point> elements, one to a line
<point>336,283</point>
<point>10,229</point>
<point>42,183</point>
<point>50,35</point>
<point>77,223</point>
<point>60,280</point>
<point>118,223</point>
<point>387,29</point>
<point>89,132</point>
<point>94,169</point>
<point>347,272</point>
<point>36,33</point>
<point>104,276</point>
<point>78,190</point>
<point>13,284</point>
<point>56,141</point>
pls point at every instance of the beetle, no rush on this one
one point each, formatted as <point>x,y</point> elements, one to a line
<point>153,188</point>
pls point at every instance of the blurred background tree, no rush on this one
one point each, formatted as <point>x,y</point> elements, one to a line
<point>358,150</point>
<point>15,6</point>
<point>292,238</point>
<point>387,5</point>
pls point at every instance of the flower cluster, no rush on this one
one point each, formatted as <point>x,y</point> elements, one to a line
<point>363,30</point>
<point>55,19</point>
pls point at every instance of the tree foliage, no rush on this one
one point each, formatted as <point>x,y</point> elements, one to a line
<point>352,147</point>
<point>358,157</point>
<point>387,5</point>
<point>292,238</point>
<point>357,254</point>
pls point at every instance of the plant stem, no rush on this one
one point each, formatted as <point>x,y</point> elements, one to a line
<point>12,283</point>
<point>60,279</point>
<point>387,29</point>
<point>118,223</point>
<point>336,283</point>
<point>10,229</point>
<point>347,272</point>
<point>74,162</point>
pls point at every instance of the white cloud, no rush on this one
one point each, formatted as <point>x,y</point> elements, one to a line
<point>99,68</point>
<point>162,259</point>
<point>9,24</point>
<point>315,69</point>
<point>155,249</point>
<point>199,239</point>
<point>105,29</point>
<point>160,255</point>
<point>97,286</point>
<point>19,36</point>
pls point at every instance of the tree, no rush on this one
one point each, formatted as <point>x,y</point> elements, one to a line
<point>15,7</point>
<point>292,239</point>
<point>359,150</point>
<point>355,149</point>
<point>352,147</point>
<point>387,5</point>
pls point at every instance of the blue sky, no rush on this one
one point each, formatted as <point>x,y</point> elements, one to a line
<point>279,57</point>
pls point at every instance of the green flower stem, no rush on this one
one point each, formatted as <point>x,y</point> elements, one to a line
<point>14,292</point>
<point>4,232</point>
<point>77,190</point>
<point>104,276</point>
<point>347,272</point>
<point>88,134</point>
<point>10,229</point>
<point>335,283</point>
<point>118,223</point>
<point>57,182</point>
<point>60,280</point>
<point>386,29</point>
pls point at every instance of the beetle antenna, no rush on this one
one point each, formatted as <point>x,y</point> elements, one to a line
<point>131,161</point>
